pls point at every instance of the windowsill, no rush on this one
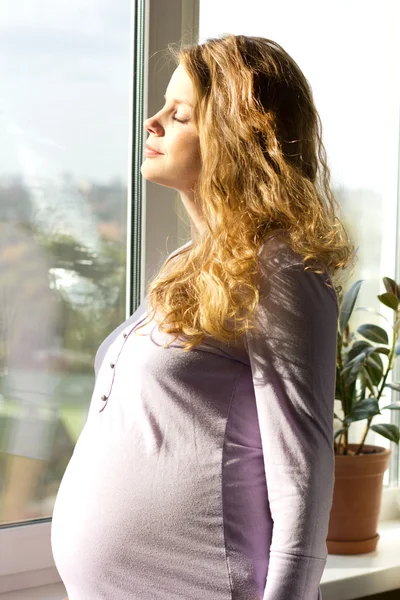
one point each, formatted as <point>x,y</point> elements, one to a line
<point>55,591</point>
<point>349,577</point>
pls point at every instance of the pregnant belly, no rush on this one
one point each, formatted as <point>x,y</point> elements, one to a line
<point>118,503</point>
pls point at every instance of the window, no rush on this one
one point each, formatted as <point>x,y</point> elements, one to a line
<point>64,154</point>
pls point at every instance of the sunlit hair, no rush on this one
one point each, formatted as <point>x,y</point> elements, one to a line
<point>264,168</point>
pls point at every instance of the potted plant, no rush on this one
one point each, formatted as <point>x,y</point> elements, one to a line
<point>360,384</point>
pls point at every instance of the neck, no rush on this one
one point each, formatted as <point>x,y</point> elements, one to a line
<point>197,226</point>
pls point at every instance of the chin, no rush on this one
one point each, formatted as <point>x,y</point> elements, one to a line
<point>154,179</point>
<point>147,173</point>
<point>152,175</point>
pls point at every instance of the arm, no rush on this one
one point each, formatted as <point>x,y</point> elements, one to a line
<point>292,355</point>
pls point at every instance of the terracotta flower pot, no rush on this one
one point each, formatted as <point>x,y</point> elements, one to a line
<point>357,497</point>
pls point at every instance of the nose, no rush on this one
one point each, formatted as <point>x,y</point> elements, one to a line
<point>152,125</point>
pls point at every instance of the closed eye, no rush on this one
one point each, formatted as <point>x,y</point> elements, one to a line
<point>179,121</point>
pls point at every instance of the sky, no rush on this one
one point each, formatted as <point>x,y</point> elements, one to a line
<point>64,96</point>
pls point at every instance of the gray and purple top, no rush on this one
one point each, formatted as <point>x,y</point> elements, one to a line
<point>208,475</point>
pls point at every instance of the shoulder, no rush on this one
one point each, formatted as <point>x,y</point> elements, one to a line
<point>178,250</point>
<point>276,254</point>
<point>281,266</point>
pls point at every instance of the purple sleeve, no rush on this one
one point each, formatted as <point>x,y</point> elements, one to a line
<point>292,354</point>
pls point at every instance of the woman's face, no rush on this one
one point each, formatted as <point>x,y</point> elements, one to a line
<point>173,134</point>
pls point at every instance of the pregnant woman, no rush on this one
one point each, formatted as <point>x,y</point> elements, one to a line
<point>205,468</point>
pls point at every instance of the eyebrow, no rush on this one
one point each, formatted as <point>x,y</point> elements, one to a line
<point>178,101</point>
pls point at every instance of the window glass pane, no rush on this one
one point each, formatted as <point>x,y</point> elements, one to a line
<point>64,136</point>
<point>349,50</point>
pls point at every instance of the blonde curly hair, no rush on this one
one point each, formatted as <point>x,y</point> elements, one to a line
<point>263,168</point>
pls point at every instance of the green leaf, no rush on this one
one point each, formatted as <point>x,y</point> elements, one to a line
<point>389,300</point>
<point>357,348</point>
<point>394,406</point>
<point>374,333</point>
<point>368,381</point>
<point>361,388</point>
<point>363,409</point>
<point>350,372</point>
<point>348,303</point>
<point>382,350</point>
<point>388,430</point>
<point>393,386</point>
<point>339,419</point>
<point>374,373</point>
<point>358,359</point>
<point>373,364</point>
<point>391,286</point>
<point>363,354</point>
<point>374,360</point>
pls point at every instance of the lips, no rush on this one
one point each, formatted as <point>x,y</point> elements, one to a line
<point>152,149</point>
